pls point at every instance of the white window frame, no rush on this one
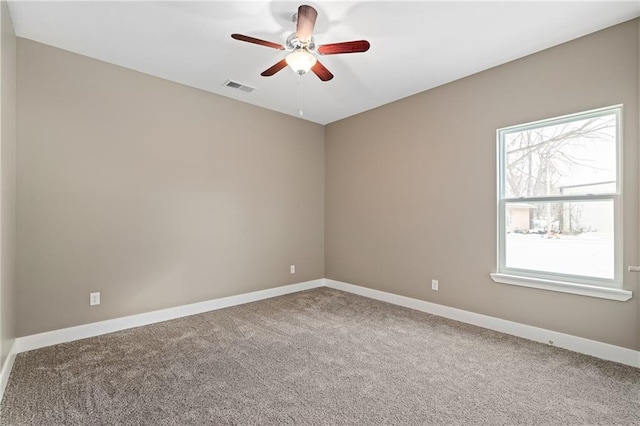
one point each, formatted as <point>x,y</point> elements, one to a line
<point>575,284</point>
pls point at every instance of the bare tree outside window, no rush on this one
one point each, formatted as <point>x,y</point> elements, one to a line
<point>577,157</point>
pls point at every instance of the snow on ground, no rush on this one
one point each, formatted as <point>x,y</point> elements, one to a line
<point>589,254</point>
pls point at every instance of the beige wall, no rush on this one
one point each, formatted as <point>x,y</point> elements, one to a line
<point>411,186</point>
<point>157,195</point>
<point>153,193</point>
<point>7,182</point>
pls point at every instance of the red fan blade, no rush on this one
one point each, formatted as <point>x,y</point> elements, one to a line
<point>257,41</point>
<point>322,73</point>
<point>306,21</point>
<point>344,47</point>
<point>274,69</point>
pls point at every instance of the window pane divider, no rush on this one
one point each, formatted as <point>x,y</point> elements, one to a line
<point>559,198</point>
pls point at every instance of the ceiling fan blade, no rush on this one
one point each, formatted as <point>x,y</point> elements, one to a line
<point>257,41</point>
<point>274,69</point>
<point>321,71</point>
<point>306,21</point>
<point>343,47</point>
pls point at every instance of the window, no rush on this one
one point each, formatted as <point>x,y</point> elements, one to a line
<point>559,204</point>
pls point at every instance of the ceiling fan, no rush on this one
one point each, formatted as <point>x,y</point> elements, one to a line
<point>301,44</point>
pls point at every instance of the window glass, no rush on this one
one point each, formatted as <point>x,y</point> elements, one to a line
<point>574,157</point>
<point>575,238</point>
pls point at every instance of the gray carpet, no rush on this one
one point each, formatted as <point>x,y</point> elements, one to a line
<point>316,357</point>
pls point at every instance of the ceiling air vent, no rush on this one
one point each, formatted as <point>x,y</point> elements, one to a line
<point>239,86</point>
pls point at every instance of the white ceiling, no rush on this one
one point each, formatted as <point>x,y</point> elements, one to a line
<point>415,45</point>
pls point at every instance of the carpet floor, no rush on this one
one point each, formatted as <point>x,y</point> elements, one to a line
<point>318,357</point>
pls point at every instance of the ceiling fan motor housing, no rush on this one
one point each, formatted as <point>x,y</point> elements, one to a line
<point>294,43</point>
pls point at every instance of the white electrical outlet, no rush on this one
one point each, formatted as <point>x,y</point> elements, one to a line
<point>434,285</point>
<point>94,298</point>
<point>292,269</point>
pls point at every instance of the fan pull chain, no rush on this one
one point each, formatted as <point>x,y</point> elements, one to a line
<point>299,95</point>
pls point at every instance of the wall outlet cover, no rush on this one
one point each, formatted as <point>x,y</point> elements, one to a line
<point>94,298</point>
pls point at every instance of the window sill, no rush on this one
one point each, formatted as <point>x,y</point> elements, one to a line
<point>564,287</point>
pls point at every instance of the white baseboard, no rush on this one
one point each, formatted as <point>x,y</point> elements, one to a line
<point>5,369</point>
<point>36,341</point>
<point>566,341</point>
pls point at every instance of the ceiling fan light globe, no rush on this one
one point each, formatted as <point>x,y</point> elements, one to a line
<point>301,61</point>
